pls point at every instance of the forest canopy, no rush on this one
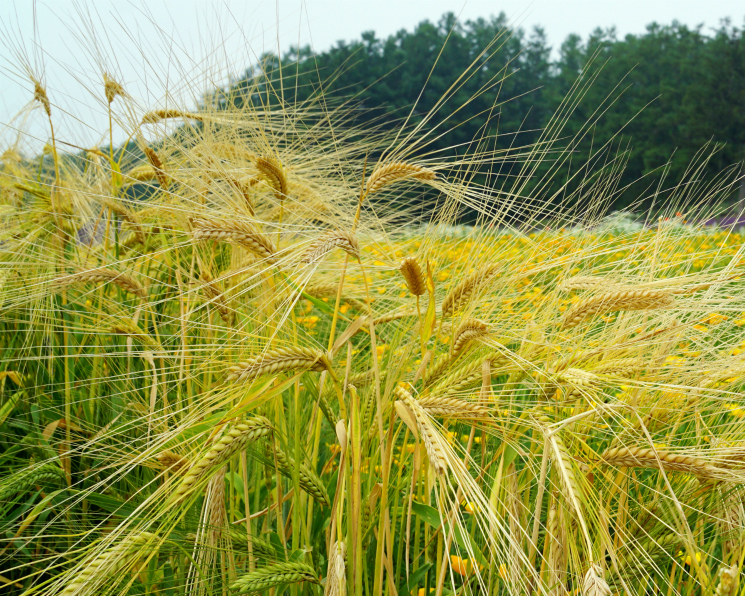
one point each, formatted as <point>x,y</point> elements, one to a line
<point>656,98</point>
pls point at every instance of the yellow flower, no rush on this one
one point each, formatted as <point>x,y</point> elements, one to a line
<point>736,410</point>
<point>462,567</point>
<point>503,571</point>
<point>381,349</point>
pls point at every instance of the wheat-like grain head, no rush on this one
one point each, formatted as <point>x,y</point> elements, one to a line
<point>412,274</point>
<point>293,359</point>
<point>389,173</point>
<point>242,233</point>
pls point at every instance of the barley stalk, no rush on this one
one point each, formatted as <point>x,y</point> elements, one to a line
<point>624,299</point>
<point>412,273</point>
<point>393,172</point>
<point>236,439</point>
<point>293,359</point>
<point>274,575</point>
<point>241,233</point>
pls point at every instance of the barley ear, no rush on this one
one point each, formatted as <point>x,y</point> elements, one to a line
<point>412,273</point>
<point>272,576</point>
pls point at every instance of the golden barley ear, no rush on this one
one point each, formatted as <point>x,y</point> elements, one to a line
<point>464,290</point>
<point>157,164</point>
<point>346,241</point>
<point>624,299</point>
<point>112,89</point>
<point>336,577</point>
<point>429,435</point>
<point>40,95</point>
<point>294,359</point>
<point>243,233</point>
<point>469,330</point>
<point>158,115</point>
<point>639,457</point>
<point>393,172</point>
<point>126,282</point>
<point>412,274</point>
<point>453,408</point>
<point>273,172</point>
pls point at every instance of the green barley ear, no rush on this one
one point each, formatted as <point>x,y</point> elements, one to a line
<point>273,576</point>
<point>233,441</point>
<point>46,474</point>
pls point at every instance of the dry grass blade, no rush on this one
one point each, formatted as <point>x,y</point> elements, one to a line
<point>278,361</point>
<point>230,443</point>
<point>339,239</point>
<point>727,585</point>
<point>103,275</point>
<point>393,172</point>
<point>627,299</point>
<point>413,275</point>
<point>639,457</point>
<point>336,578</point>
<point>594,584</point>
<point>273,576</point>
<point>241,233</point>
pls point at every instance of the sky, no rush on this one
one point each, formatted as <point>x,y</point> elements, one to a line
<point>180,48</point>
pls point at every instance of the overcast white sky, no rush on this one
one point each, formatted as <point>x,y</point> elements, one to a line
<point>183,45</point>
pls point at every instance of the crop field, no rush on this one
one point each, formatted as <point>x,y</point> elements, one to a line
<point>237,357</point>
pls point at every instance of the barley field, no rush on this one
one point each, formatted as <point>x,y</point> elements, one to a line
<point>237,358</point>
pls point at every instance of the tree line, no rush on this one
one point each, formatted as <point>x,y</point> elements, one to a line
<point>654,100</point>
